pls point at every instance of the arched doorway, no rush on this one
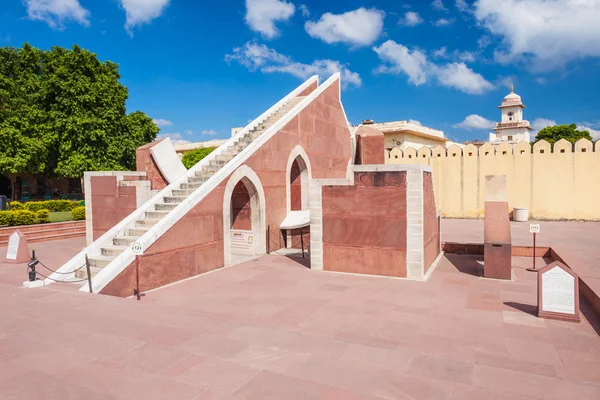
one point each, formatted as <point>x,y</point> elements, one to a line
<point>297,190</point>
<point>5,186</point>
<point>244,226</point>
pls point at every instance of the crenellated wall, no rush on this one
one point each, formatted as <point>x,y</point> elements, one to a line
<point>553,182</point>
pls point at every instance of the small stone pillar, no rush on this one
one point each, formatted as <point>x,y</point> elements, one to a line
<point>370,147</point>
<point>497,239</point>
<point>18,249</point>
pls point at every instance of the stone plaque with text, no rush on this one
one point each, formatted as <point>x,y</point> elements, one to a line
<point>13,246</point>
<point>242,242</point>
<point>558,292</point>
<point>18,248</point>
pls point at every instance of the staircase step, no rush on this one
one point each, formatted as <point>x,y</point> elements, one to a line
<point>124,240</point>
<point>136,231</point>
<point>196,179</point>
<point>82,273</point>
<point>165,206</point>
<point>190,186</point>
<point>174,199</point>
<point>146,222</point>
<point>100,261</point>
<point>113,251</point>
<point>156,214</point>
<point>203,174</point>
<point>183,192</point>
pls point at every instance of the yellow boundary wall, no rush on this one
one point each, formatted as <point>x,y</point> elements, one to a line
<point>560,182</point>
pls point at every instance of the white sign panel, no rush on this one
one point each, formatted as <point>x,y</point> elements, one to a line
<point>242,242</point>
<point>534,228</point>
<point>137,248</point>
<point>13,246</point>
<point>558,291</point>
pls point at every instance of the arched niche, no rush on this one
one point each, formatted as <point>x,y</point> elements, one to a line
<point>244,215</point>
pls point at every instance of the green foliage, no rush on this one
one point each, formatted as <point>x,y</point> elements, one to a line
<point>78,213</point>
<point>16,205</point>
<point>52,205</point>
<point>553,134</point>
<point>6,217</point>
<point>43,216</point>
<point>23,217</point>
<point>61,216</point>
<point>192,157</point>
<point>62,112</point>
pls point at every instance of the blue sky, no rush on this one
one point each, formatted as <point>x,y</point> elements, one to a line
<point>200,68</point>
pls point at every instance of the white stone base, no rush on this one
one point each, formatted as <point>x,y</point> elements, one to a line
<point>34,284</point>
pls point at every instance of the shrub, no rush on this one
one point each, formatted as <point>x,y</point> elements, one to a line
<point>51,205</point>
<point>78,213</point>
<point>16,205</point>
<point>192,157</point>
<point>6,217</point>
<point>43,216</point>
<point>35,205</point>
<point>23,217</point>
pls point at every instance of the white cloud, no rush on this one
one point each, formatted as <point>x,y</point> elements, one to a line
<point>595,133</point>
<point>400,59</point>
<point>462,5</point>
<point>444,22</point>
<point>176,137</point>
<point>189,132</point>
<point>304,10</point>
<point>475,121</point>
<point>545,34</point>
<point>411,18</point>
<point>541,123</point>
<point>56,12</point>
<point>139,12</point>
<point>397,58</point>
<point>459,76</point>
<point>541,81</point>
<point>261,15</point>
<point>256,56</point>
<point>465,56</point>
<point>360,27</point>
<point>438,5</point>
<point>210,132</point>
<point>162,122</point>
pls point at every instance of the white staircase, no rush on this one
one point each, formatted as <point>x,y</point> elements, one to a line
<point>180,192</point>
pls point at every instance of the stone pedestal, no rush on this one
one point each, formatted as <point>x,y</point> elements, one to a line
<point>497,239</point>
<point>18,249</point>
<point>370,146</point>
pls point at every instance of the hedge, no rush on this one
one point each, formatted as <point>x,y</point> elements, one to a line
<point>51,205</point>
<point>18,217</point>
<point>43,216</point>
<point>78,213</point>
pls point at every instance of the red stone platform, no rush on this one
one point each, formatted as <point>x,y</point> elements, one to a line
<point>272,329</point>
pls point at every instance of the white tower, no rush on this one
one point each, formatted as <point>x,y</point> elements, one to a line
<point>512,127</point>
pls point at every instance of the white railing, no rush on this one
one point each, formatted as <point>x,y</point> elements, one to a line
<point>112,270</point>
<point>106,239</point>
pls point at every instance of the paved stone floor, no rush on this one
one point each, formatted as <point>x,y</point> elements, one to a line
<point>272,329</point>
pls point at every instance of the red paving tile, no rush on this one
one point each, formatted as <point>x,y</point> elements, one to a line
<point>274,329</point>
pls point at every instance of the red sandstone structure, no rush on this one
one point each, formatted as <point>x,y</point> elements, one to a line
<point>497,248</point>
<point>296,168</point>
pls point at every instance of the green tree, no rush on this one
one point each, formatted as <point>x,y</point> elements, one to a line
<point>62,112</point>
<point>553,134</point>
<point>192,157</point>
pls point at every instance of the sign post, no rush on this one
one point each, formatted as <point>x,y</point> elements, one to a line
<point>535,229</point>
<point>138,249</point>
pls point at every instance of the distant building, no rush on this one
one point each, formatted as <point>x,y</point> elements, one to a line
<point>403,134</point>
<point>512,128</point>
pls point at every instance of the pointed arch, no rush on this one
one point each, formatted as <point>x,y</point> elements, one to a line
<point>256,194</point>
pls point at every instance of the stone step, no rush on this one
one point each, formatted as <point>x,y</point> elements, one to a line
<point>212,168</point>
<point>197,179</point>
<point>190,186</point>
<point>100,261</point>
<point>156,214</point>
<point>146,222</point>
<point>174,199</point>
<point>217,163</point>
<point>113,251</point>
<point>136,231</point>
<point>165,206</point>
<point>124,240</point>
<point>82,273</point>
<point>203,174</point>
<point>225,158</point>
<point>183,192</point>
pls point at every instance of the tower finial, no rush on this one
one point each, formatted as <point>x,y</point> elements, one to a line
<point>512,87</point>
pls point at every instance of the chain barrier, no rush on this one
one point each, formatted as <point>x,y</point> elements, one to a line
<point>302,246</point>
<point>33,274</point>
